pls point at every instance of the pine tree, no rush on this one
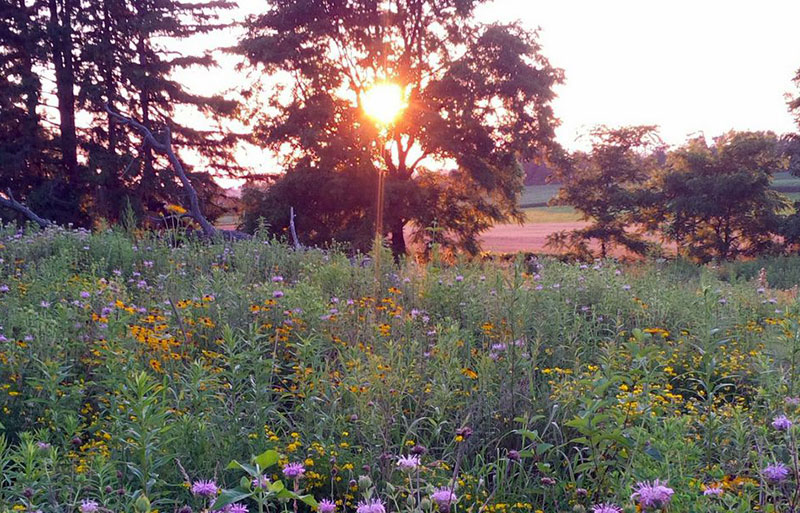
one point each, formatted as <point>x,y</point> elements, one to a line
<point>27,157</point>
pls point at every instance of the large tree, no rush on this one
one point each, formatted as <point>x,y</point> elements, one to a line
<point>715,200</point>
<point>605,185</point>
<point>26,149</point>
<point>478,102</point>
<point>62,61</point>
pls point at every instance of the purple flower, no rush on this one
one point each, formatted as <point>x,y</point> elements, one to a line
<point>294,470</point>
<point>85,294</point>
<point>4,288</point>
<point>782,423</point>
<point>277,294</point>
<point>606,507</point>
<point>371,506</point>
<point>653,495</point>
<point>89,506</point>
<point>408,463</point>
<point>713,490</point>
<point>238,508</point>
<point>45,304</point>
<point>776,472</point>
<point>261,482</point>
<point>326,506</point>
<point>43,446</point>
<point>204,488</point>
<point>277,279</point>
<point>444,497</point>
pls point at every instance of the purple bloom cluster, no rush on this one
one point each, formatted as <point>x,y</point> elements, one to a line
<point>326,506</point>
<point>652,495</point>
<point>776,472</point>
<point>294,470</point>
<point>444,498</point>
<point>371,506</point>
<point>237,507</point>
<point>408,463</point>
<point>89,506</point>
<point>606,507</point>
<point>205,488</point>
<point>260,482</point>
<point>782,423</point>
<point>713,490</point>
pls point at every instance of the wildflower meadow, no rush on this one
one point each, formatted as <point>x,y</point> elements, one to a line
<point>144,372</point>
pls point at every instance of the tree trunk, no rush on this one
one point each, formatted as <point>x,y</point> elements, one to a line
<point>61,43</point>
<point>149,181</point>
<point>32,86</point>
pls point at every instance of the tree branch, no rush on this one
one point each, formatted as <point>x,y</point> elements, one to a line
<point>13,204</point>
<point>166,148</point>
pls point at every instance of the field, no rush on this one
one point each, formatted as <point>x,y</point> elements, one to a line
<point>138,369</point>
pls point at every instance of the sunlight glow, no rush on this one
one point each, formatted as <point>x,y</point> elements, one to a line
<point>384,102</point>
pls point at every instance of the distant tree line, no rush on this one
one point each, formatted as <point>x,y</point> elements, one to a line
<point>61,62</point>
<point>707,200</point>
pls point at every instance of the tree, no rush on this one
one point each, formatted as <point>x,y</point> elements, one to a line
<point>715,201</point>
<point>133,49</point>
<point>478,98</point>
<point>605,185</point>
<point>91,53</point>
<point>26,149</point>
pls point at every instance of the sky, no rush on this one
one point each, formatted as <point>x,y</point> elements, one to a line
<point>688,66</point>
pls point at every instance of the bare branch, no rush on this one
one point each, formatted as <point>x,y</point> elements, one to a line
<point>166,148</point>
<point>13,204</point>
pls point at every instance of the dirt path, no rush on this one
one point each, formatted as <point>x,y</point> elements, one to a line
<point>509,238</point>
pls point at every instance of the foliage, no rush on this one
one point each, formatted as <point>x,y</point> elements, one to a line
<point>120,52</point>
<point>715,201</point>
<point>605,186</point>
<point>135,366</point>
<point>478,97</point>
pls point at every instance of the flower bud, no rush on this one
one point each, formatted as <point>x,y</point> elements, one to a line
<point>142,504</point>
<point>364,483</point>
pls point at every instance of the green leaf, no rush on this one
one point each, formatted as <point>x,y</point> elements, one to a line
<point>654,453</point>
<point>310,500</point>
<point>276,487</point>
<point>267,458</point>
<point>229,497</point>
<point>234,465</point>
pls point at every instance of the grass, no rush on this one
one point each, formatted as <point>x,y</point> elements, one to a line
<point>560,214</point>
<point>134,365</point>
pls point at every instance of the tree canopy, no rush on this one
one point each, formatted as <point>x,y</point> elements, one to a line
<point>62,61</point>
<point>715,200</point>
<point>478,102</point>
<point>605,186</point>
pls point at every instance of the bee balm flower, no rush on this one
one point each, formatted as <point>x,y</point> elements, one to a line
<point>294,470</point>
<point>651,496</point>
<point>204,488</point>
<point>782,423</point>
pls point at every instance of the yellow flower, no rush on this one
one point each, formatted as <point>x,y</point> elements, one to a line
<point>175,209</point>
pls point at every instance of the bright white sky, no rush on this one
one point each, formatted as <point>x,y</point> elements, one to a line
<point>687,66</point>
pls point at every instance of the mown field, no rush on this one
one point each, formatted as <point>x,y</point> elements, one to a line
<point>135,368</point>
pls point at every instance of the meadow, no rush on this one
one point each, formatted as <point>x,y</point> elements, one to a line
<point>151,372</point>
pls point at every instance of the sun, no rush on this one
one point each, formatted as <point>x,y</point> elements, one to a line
<point>384,102</point>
